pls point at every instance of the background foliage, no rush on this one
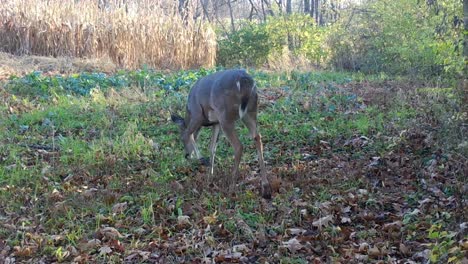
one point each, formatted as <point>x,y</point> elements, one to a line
<point>396,37</point>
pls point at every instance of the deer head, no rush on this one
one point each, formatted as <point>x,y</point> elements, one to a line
<point>218,101</point>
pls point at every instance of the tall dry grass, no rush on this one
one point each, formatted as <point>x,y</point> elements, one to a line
<point>141,32</point>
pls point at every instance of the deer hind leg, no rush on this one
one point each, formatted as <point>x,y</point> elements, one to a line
<point>189,137</point>
<point>213,144</point>
<point>229,132</point>
<point>250,120</point>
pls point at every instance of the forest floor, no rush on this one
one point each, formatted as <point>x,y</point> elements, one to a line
<point>364,169</point>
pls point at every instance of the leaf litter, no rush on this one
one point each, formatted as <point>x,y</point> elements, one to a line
<point>402,204</point>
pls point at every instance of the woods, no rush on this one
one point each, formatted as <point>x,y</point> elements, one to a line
<point>362,111</point>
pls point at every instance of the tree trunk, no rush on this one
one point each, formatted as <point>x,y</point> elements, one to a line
<point>206,14</point>
<point>231,15</point>
<point>253,10</point>
<point>306,6</point>
<point>312,8</point>
<point>316,9</point>
<point>263,11</point>
<point>269,9</point>
<point>288,7</point>
<point>280,6</point>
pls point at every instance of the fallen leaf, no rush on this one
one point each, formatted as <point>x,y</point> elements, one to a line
<point>25,251</point>
<point>363,192</point>
<point>346,209</point>
<point>374,252</point>
<point>275,184</point>
<point>363,247</point>
<point>345,220</point>
<point>324,221</point>
<point>183,220</point>
<point>361,257</point>
<point>240,248</point>
<point>94,243</point>
<point>109,233</point>
<point>295,231</point>
<point>105,250</point>
<point>234,257</point>
<point>119,208</point>
<point>394,226</point>
<point>116,245</point>
<point>464,244</point>
<point>404,249</point>
<point>210,219</point>
<point>91,193</point>
<point>293,245</point>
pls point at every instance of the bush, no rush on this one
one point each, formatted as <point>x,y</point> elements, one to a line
<point>398,37</point>
<point>300,34</point>
<point>255,44</point>
<point>249,46</point>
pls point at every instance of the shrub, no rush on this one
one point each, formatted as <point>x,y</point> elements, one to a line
<point>249,46</point>
<point>300,34</point>
<point>254,44</point>
<point>397,37</point>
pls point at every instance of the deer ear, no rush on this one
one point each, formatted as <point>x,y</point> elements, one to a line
<point>178,120</point>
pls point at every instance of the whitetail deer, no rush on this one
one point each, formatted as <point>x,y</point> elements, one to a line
<point>219,100</point>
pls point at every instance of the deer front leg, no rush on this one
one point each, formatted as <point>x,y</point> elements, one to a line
<point>251,122</point>
<point>228,129</point>
<point>266,187</point>
<point>213,144</point>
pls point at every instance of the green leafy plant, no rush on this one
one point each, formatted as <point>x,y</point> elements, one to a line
<point>248,46</point>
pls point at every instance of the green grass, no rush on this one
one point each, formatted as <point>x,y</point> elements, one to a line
<point>74,146</point>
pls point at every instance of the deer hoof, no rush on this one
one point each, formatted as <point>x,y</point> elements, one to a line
<point>266,191</point>
<point>205,161</point>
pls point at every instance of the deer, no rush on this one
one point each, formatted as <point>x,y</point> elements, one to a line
<point>219,100</point>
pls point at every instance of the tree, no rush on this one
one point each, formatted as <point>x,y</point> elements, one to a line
<point>316,9</point>
<point>288,6</point>
<point>306,6</point>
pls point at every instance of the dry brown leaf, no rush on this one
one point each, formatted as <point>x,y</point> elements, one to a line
<point>116,245</point>
<point>25,251</point>
<point>293,245</point>
<point>394,226</point>
<point>110,233</point>
<point>94,243</point>
<point>105,250</point>
<point>324,221</point>
<point>363,247</point>
<point>210,219</point>
<point>91,193</point>
<point>345,220</point>
<point>295,231</point>
<point>404,249</point>
<point>119,208</point>
<point>464,244</point>
<point>275,184</point>
<point>183,220</point>
<point>361,257</point>
<point>240,248</point>
<point>374,252</point>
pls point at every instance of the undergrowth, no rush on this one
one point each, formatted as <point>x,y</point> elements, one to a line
<point>92,170</point>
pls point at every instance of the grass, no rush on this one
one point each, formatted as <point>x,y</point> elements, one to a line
<point>69,156</point>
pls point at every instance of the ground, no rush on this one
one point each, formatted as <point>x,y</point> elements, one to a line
<point>365,169</point>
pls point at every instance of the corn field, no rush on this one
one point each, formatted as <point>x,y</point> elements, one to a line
<point>146,32</point>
